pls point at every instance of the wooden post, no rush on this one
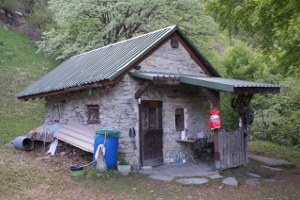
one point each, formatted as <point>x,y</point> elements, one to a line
<point>214,98</point>
<point>217,150</point>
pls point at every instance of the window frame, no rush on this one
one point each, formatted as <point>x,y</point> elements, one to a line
<point>179,112</point>
<point>90,108</point>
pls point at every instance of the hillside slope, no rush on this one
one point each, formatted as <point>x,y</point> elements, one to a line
<point>20,65</point>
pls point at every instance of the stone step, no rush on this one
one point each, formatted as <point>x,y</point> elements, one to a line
<point>270,161</point>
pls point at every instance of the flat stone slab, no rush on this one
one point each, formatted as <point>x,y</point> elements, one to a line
<point>230,181</point>
<point>253,181</point>
<point>195,181</point>
<point>272,168</point>
<point>215,176</point>
<point>253,175</point>
<point>270,161</point>
<point>161,177</point>
<point>146,168</point>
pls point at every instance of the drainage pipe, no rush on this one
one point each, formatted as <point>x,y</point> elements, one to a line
<point>23,143</point>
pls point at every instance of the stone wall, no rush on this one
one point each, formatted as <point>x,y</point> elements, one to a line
<point>119,110</point>
<point>196,114</point>
<point>171,60</point>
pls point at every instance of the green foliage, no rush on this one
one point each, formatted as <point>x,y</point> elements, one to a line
<point>9,4</point>
<point>41,17</point>
<point>272,150</point>
<point>278,115</point>
<point>274,26</point>
<point>85,25</point>
<point>19,67</point>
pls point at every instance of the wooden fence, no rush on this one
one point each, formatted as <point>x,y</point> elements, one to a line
<point>233,149</point>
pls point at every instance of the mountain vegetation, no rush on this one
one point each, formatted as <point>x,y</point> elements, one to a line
<point>243,39</point>
<point>19,67</point>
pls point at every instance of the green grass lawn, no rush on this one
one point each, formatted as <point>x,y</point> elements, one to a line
<point>265,148</point>
<point>20,66</point>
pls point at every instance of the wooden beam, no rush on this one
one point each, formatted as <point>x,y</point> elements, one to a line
<point>142,89</point>
<point>67,90</point>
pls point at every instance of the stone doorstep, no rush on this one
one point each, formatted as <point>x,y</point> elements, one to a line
<point>195,181</point>
<point>161,177</point>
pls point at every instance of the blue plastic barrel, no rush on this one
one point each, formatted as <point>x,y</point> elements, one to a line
<point>111,147</point>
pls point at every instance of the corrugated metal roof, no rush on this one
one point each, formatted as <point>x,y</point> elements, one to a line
<point>216,83</point>
<point>104,63</point>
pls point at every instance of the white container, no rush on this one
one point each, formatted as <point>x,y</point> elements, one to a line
<point>124,169</point>
<point>183,135</point>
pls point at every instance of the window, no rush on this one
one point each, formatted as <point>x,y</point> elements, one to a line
<point>55,112</point>
<point>179,119</point>
<point>93,114</point>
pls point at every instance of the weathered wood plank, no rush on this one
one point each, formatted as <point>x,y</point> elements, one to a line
<point>232,149</point>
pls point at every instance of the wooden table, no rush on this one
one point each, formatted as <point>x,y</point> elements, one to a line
<point>188,142</point>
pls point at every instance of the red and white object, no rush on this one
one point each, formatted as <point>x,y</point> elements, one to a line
<point>214,120</point>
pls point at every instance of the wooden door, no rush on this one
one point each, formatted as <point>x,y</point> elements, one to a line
<point>151,132</point>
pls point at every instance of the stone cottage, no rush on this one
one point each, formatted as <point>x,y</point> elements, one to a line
<point>157,83</point>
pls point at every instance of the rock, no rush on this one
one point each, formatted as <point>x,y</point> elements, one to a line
<point>272,168</point>
<point>253,181</point>
<point>146,168</point>
<point>196,181</point>
<point>269,180</point>
<point>270,161</point>
<point>215,176</point>
<point>230,181</point>
<point>253,175</point>
<point>161,177</point>
<point>18,13</point>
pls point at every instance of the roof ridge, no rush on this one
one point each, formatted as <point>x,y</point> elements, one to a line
<point>123,41</point>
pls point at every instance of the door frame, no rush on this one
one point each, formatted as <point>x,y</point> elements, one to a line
<point>141,137</point>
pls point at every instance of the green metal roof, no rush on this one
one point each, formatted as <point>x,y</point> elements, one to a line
<point>105,63</point>
<point>215,83</point>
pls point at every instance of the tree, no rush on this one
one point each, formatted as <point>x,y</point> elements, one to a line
<point>274,26</point>
<point>9,4</point>
<point>40,17</point>
<point>86,24</point>
<point>82,25</point>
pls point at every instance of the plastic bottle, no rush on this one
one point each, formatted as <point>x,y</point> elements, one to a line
<point>240,122</point>
<point>178,158</point>
<point>171,158</point>
<point>183,158</point>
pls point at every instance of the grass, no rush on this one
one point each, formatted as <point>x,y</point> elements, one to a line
<point>32,175</point>
<point>20,66</point>
<point>272,150</point>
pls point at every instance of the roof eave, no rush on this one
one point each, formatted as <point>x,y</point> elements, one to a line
<point>99,84</point>
<point>256,90</point>
<point>207,84</point>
